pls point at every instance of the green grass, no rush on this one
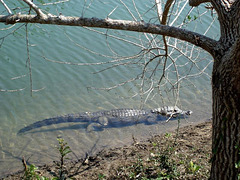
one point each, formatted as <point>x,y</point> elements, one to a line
<point>31,171</point>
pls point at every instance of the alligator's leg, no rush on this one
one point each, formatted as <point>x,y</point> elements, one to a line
<point>94,127</point>
<point>103,120</point>
<point>151,120</point>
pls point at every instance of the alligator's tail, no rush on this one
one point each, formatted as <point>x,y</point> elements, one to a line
<point>55,120</point>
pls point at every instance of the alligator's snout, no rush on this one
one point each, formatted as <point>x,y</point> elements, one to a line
<point>188,112</point>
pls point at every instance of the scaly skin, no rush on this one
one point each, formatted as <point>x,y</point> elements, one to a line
<point>113,118</point>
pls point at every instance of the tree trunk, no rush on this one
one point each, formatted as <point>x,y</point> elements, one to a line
<point>226,120</point>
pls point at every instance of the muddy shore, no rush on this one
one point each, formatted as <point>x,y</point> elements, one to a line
<point>182,154</point>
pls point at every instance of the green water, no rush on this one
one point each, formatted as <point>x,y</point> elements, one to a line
<point>65,88</point>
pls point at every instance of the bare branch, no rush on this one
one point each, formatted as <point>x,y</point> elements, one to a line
<point>35,8</point>
<point>13,90</point>
<point>18,77</point>
<point>197,2</point>
<point>28,62</point>
<point>3,29</point>
<point>159,9</point>
<point>163,21</point>
<point>135,19</point>
<point>115,86</point>
<point>12,32</point>
<point>166,11</point>
<point>54,3</point>
<point>197,39</point>
<point>112,11</point>
<point>6,7</point>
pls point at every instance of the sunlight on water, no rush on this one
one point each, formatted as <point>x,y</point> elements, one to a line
<point>66,89</point>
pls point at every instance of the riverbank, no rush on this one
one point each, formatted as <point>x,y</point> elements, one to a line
<point>182,154</point>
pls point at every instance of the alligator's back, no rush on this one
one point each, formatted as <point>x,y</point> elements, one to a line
<point>119,113</point>
<point>122,117</point>
<point>88,117</point>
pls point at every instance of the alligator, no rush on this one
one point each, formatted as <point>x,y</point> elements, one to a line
<point>114,118</point>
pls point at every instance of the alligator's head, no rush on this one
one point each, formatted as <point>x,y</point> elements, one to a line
<point>173,111</point>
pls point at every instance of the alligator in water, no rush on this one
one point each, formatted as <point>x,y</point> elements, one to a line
<point>114,118</point>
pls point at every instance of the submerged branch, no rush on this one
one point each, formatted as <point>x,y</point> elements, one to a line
<point>11,90</point>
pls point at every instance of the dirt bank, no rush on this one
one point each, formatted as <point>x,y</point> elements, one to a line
<point>176,155</point>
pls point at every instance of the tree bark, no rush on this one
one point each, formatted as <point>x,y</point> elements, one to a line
<point>226,120</point>
<point>226,93</point>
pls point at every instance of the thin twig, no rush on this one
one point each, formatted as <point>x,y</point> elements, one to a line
<point>35,8</point>
<point>28,62</point>
<point>13,90</point>
<point>6,7</point>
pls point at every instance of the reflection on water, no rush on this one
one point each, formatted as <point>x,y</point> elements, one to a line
<point>66,90</point>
